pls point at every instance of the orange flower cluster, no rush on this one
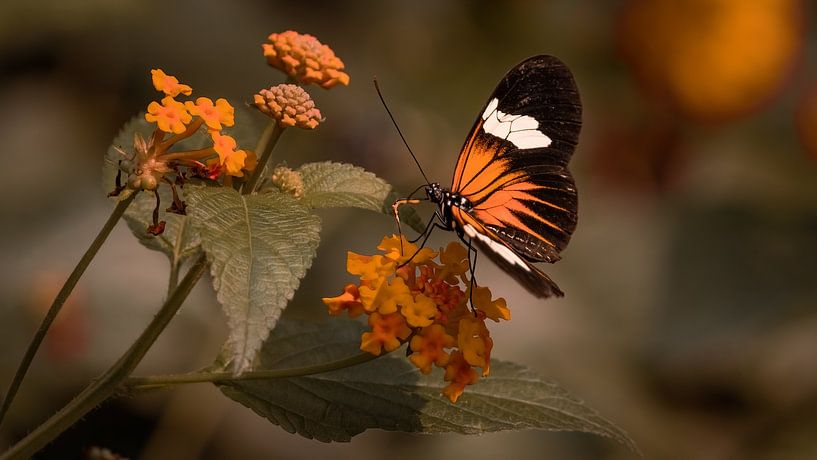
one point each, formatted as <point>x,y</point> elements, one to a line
<point>184,119</point>
<point>305,59</point>
<point>290,105</point>
<point>423,302</point>
<point>152,160</point>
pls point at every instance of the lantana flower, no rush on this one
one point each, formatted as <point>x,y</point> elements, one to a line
<point>171,116</point>
<point>153,159</point>
<point>214,115</point>
<point>290,105</point>
<point>305,59</point>
<point>169,84</point>
<point>421,296</point>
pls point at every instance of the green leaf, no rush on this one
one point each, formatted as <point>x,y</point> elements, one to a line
<point>259,247</point>
<point>334,185</point>
<point>391,394</point>
<point>179,240</point>
<point>329,185</point>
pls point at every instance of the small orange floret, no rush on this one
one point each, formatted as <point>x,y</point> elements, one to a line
<point>495,310</point>
<point>223,144</point>
<point>429,348</point>
<point>305,59</point>
<point>214,115</point>
<point>475,342</point>
<point>460,374</point>
<point>169,84</point>
<point>231,159</point>
<point>392,249</point>
<point>368,267</point>
<point>387,333</point>
<point>385,296</point>
<point>455,262</point>
<point>171,116</point>
<point>234,164</point>
<point>419,312</point>
<point>349,301</point>
<point>251,162</point>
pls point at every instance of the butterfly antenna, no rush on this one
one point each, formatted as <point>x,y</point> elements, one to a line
<point>377,87</point>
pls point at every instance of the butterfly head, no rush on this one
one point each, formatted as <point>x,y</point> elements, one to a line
<point>434,192</point>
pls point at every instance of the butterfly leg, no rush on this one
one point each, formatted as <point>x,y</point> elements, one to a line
<point>472,265</point>
<point>426,234</point>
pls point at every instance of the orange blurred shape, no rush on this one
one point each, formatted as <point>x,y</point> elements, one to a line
<point>67,338</point>
<point>712,60</point>
<point>807,121</point>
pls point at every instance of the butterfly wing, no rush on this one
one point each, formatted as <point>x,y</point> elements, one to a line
<point>513,165</point>
<point>489,243</point>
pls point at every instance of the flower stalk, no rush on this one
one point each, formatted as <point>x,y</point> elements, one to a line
<point>158,381</point>
<point>60,299</point>
<point>265,145</point>
<point>109,382</point>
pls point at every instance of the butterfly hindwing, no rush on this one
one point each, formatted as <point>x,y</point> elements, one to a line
<point>530,277</point>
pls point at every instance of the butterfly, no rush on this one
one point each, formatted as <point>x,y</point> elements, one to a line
<point>512,195</point>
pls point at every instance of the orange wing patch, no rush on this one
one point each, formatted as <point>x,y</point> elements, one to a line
<point>503,207</point>
<point>482,171</point>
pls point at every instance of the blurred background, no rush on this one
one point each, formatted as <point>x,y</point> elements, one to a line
<point>690,316</point>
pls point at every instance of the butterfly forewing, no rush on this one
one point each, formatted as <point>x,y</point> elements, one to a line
<point>513,165</point>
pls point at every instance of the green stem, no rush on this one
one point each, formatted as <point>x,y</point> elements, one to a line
<point>176,257</point>
<point>173,280</point>
<point>62,296</point>
<point>265,145</point>
<point>108,383</point>
<point>141,383</point>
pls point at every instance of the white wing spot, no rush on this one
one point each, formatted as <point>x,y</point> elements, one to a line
<point>521,130</point>
<point>496,246</point>
<point>490,109</point>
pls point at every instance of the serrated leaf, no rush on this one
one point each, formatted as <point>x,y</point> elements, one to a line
<point>329,185</point>
<point>179,240</point>
<point>335,185</point>
<point>391,394</point>
<point>259,248</point>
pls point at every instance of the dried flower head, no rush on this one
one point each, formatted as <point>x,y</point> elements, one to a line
<point>288,181</point>
<point>305,59</point>
<point>291,105</point>
<point>423,303</point>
